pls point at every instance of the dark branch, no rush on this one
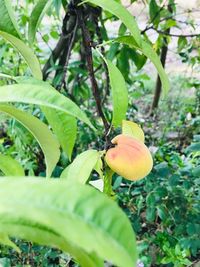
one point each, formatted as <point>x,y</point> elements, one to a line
<point>54,56</point>
<point>87,42</point>
<point>64,58</point>
<point>69,23</point>
<point>95,18</point>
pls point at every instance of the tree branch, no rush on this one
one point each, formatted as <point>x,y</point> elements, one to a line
<point>153,19</point>
<point>64,58</point>
<point>69,23</point>
<point>176,35</point>
<point>95,18</point>
<point>54,56</point>
<point>87,42</point>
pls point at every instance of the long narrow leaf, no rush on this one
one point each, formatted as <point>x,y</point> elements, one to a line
<point>55,212</point>
<point>36,16</point>
<point>80,169</point>
<point>26,53</point>
<point>7,22</point>
<point>119,94</point>
<point>64,126</point>
<point>148,51</point>
<point>40,131</point>
<point>44,236</point>
<point>36,94</point>
<point>10,167</point>
<point>4,240</point>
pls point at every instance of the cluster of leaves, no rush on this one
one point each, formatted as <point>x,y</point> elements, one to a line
<point>164,207</point>
<point>55,212</point>
<point>24,216</point>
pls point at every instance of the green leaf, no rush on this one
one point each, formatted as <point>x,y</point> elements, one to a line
<point>150,214</point>
<point>123,63</point>
<point>7,22</point>
<point>26,53</point>
<point>154,12</point>
<point>138,59</point>
<point>119,93</point>
<point>148,51</point>
<point>6,76</point>
<point>80,169</point>
<point>99,165</point>
<point>45,236</point>
<point>122,13</point>
<point>196,171</point>
<point>38,95</point>
<point>195,147</point>
<point>65,128</point>
<point>161,211</point>
<point>36,16</point>
<point>10,167</point>
<point>114,47</point>
<point>132,129</point>
<point>169,24</point>
<point>182,42</point>
<point>41,132</point>
<point>54,212</point>
<point>4,239</point>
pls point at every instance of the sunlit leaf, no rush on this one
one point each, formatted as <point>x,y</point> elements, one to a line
<point>54,212</point>
<point>36,94</point>
<point>63,125</point>
<point>119,93</point>
<point>26,53</point>
<point>65,128</point>
<point>9,166</point>
<point>7,22</point>
<point>36,16</point>
<point>132,129</point>
<point>40,131</point>
<point>80,169</point>
<point>4,240</point>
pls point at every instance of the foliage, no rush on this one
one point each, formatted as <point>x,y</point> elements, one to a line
<point>166,203</point>
<point>59,116</point>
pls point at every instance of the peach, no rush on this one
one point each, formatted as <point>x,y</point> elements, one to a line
<point>130,158</point>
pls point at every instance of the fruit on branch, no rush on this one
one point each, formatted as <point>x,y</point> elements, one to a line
<point>130,158</point>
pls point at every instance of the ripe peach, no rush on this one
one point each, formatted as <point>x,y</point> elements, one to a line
<point>130,158</point>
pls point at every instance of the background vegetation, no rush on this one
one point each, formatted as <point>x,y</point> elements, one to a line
<point>164,207</point>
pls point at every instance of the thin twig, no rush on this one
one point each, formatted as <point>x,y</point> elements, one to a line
<point>176,35</point>
<point>67,30</point>
<point>154,18</point>
<point>151,27</point>
<point>69,49</point>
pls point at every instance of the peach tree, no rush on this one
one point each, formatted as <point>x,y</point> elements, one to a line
<point>68,213</point>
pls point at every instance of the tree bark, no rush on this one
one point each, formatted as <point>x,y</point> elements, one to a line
<point>69,24</point>
<point>163,57</point>
<point>158,88</point>
<point>88,44</point>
